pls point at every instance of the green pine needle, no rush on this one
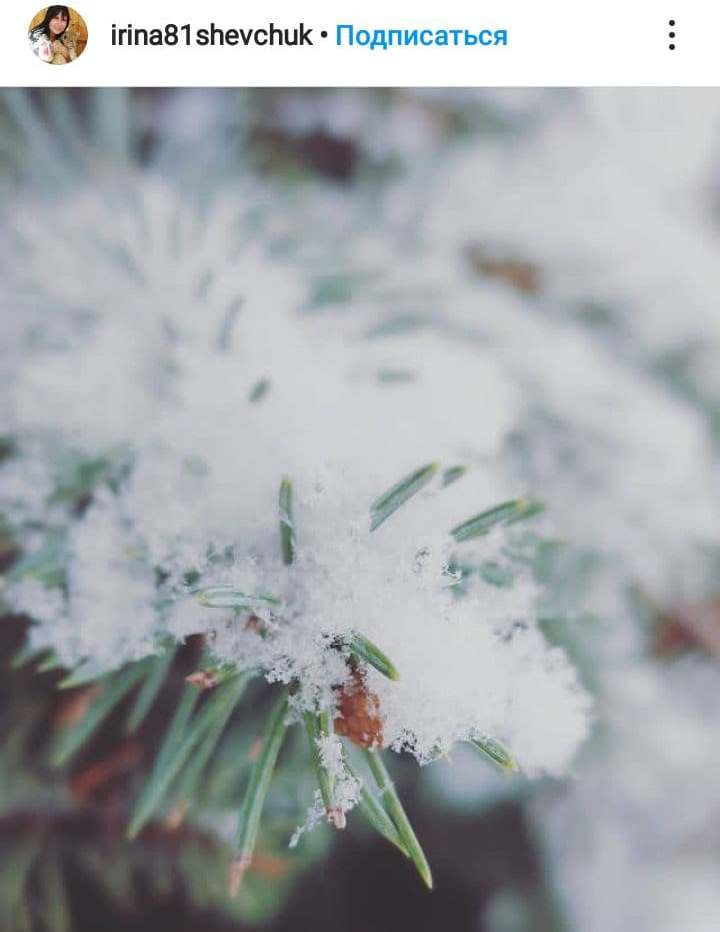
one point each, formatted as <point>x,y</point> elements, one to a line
<point>162,772</point>
<point>230,597</point>
<point>452,474</point>
<point>518,509</point>
<point>259,390</point>
<point>147,694</point>
<point>18,860</point>
<point>388,503</point>
<point>24,655</point>
<point>377,817</point>
<point>114,688</point>
<point>183,736</point>
<point>395,809</point>
<point>318,726</point>
<point>54,906</point>
<point>51,662</point>
<point>191,775</point>
<point>254,799</point>
<point>370,653</point>
<point>492,749</point>
<point>287,528</point>
<point>87,672</point>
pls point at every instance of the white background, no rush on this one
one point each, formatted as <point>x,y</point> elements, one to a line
<point>565,42</point>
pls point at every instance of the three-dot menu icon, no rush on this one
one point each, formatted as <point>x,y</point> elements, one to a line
<point>671,34</point>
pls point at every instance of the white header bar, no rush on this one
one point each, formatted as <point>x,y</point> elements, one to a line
<point>218,43</point>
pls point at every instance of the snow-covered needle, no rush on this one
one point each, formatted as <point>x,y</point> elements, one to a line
<point>370,653</point>
<point>517,509</point>
<point>318,727</point>
<point>230,597</point>
<point>390,501</point>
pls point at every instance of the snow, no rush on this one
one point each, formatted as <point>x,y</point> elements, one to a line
<point>207,461</point>
<point>168,306</point>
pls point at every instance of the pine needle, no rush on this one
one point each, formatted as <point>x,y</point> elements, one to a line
<point>319,726</point>
<point>395,809</point>
<point>376,815</point>
<point>114,688</point>
<point>452,474</point>
<point>54,906</point>
<point>388,503</point>
<point>87,672</point>
<point>254,800</point>
<point>160,776</point>
<point>24,655</point>
<point>230,597</point>
<point>51,662</point>
<point>183,736</point>
<point>190,776</point>
<point>259,390</point>
<point>518,509</point>
<point>287,528</point>
<point>149,690</point>
<point>370,653</point>
<point>495,751</point>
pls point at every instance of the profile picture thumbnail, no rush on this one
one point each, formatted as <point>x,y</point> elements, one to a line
<point>57,35</point>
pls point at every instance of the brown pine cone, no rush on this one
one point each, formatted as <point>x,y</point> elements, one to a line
<point>359,715</point>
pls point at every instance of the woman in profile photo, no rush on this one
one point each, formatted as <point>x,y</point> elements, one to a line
<point>48,39</point>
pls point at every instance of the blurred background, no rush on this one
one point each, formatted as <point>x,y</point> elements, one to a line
<point>577,234</point>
